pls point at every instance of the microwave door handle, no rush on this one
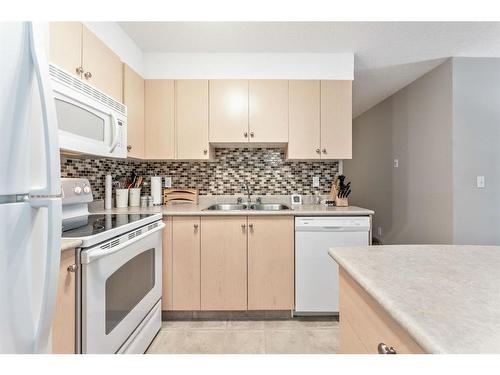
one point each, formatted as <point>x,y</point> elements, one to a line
<point>115,133</point>
<point>49,118</point>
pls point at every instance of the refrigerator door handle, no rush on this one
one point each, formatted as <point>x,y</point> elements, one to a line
<point>51,275</point>
<point>53,185</point>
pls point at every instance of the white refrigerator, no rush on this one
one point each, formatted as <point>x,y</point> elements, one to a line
<point>30,203</point>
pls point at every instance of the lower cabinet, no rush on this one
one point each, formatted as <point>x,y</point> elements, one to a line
<point>228,263</point>
<point>186,263</point>
<point>63,328</point>
<point>270,263</point>
<point>224,263</point>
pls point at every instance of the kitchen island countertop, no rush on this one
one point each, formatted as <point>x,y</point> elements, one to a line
<point>447,297</point>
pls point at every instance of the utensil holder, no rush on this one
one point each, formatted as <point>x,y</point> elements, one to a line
<point>135,197</point>
<point>121,198</point>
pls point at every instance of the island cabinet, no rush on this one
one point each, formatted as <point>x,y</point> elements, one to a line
<point>63,328</point>
<point>364,324</point>
<point>234,263</point>
<point>191,119</point>
<point>77,50</point>
<point>133,98</point>
<point>159,108</point>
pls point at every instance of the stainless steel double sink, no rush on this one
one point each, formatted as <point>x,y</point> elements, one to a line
<point>245,206</point>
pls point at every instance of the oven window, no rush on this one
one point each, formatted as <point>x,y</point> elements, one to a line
<point>79,121</point>
<point>127,286</point>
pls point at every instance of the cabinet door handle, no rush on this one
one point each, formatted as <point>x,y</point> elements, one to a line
<point>384,349</point>
<point>79,70</point>
<point>324,151</point>
<point>195,226</point>
<point>251,134</point>
<point>129,148</point>
<point>318,151</point>
<point>250,226</point>
<point>72,268</point>
<point>243,226</point>
<point>205,151</point>
<point>87,75</point>
<point>245,134</point>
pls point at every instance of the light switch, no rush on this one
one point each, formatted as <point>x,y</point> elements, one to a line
<point>315,181</point>
<point>480,182</point>
<point>168,182</point>
<point>396,163</point>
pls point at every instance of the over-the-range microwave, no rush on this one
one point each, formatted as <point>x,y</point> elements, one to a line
<point>89,121</point>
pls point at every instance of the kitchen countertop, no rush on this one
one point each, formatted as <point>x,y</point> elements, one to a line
<point>198,209</point>
<point>67,244</point>
<point>445,296</point>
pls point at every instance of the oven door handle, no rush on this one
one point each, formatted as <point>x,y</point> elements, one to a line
<point>97,253</point>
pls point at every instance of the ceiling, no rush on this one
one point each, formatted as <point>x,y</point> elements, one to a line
<point>388,55</point>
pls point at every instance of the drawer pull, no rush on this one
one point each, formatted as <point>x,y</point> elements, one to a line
<point>384,349</point>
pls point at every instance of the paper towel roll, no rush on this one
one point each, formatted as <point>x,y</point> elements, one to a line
<point>156,190</point>
<point>108,186</point>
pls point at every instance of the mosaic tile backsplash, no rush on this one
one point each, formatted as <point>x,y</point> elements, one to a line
<point>265,169</point>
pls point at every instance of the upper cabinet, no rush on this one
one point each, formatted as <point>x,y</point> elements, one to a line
<point>228,111</point>
<point>66,46</point>
<point>268,111</point>
<point>77,50</point>
<point>336,119</point>
<point>304,122</point>
<point>159,108</point>
<point>133,98</point>
<point>191,119</point>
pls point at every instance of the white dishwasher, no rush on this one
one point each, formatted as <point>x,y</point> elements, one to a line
<point>316,273</point>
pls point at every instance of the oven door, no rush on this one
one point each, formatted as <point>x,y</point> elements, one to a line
<point>121,283</point>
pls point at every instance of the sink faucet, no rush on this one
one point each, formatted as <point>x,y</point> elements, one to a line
<point>247,188</point>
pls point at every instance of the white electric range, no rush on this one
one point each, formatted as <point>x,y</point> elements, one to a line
<point>118,288</point>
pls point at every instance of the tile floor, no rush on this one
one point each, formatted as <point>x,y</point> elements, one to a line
<point>296,336</point>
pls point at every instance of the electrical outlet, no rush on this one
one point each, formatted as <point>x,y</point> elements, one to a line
<point>168,182</point>
<point>315,181</point>
<point>396,163</point>
<point>379,231</point>
<point>480,182</point>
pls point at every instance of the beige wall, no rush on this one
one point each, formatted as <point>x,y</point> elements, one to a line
<point>413,203</point>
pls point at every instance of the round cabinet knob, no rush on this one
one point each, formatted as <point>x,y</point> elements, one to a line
<point>129,147</point>
<point>251,134</point>
<point>77,190</point>
<point>86,189</point>
<point>318,151</point>
<point>87,75</point>
<point>245,134</point>
<point>250,226</point>
<point>195,226</point>
<point>324,151</point>
<point>205,151</point>
<point>72,268</point>
<point>243,226</point>
<point>79,70</point>
<point>385,349</point>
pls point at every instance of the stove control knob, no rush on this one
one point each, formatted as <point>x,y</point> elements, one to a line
<point>77,190</point>
<point>86,189</point>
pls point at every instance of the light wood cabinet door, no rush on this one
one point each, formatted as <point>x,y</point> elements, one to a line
<point>270,263</point>
<point>304,138</point>
<point>336,119</point>
<point>63,328</point>
<point>268,111</point>
<point>228,111</point>
<point>66,46</point>
<point>159,137</point>
<point>191,119</point>
<point>224,263</point>
<point>102,67</point>
<point>167,257</point>
<point>133,98</point>
<point>186,263</point>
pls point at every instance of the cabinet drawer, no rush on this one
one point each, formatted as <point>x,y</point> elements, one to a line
<point>361,314</point>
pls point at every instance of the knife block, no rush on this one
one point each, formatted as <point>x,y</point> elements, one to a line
<point>339,202</point>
